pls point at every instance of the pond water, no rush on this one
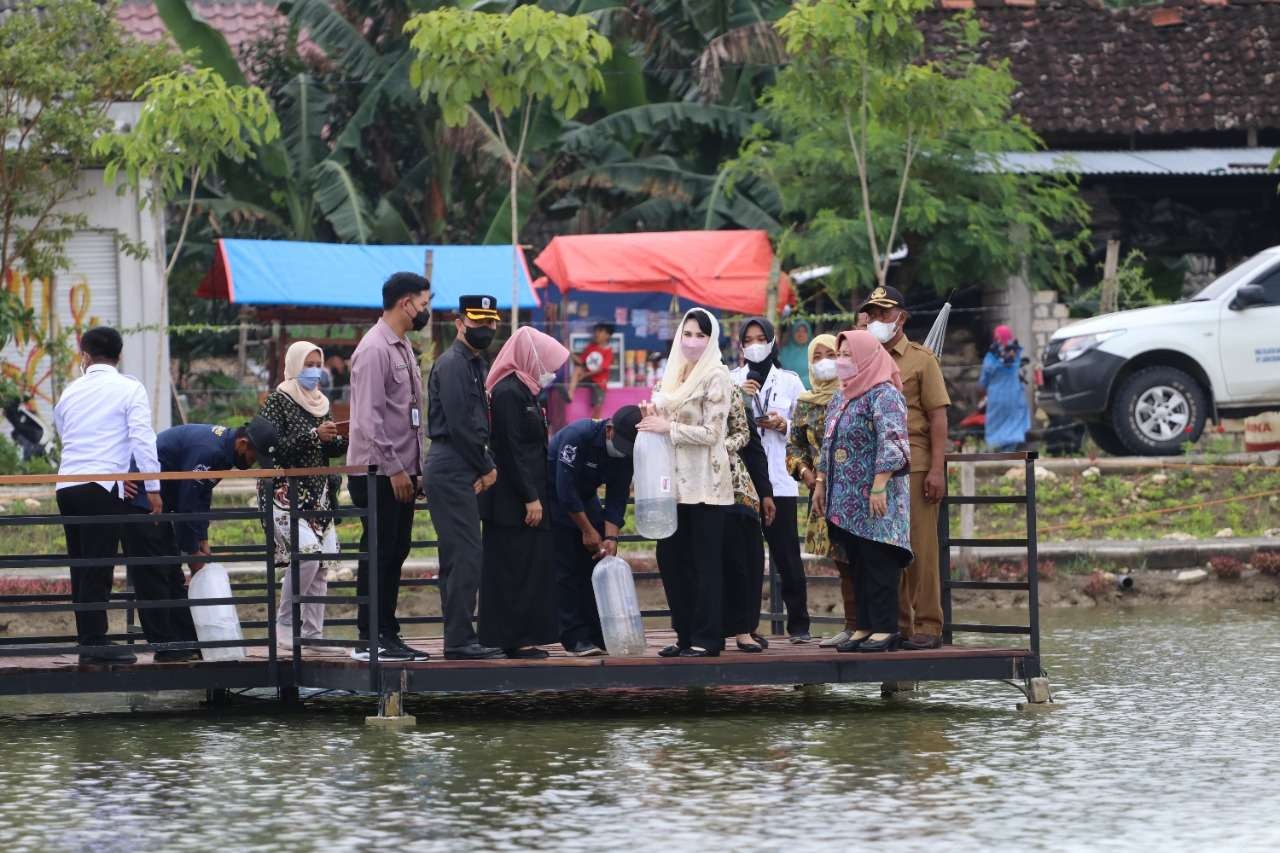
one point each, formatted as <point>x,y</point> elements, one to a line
<point>1168,740</point>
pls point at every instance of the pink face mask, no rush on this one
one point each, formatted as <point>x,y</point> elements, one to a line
<point>692,348</point>
<point>846,369</point>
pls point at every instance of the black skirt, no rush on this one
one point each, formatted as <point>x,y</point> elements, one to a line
<point>517,588</point>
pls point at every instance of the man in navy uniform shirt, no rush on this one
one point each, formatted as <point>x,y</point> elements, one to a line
<point>192,447</point>
<point>581,457</point>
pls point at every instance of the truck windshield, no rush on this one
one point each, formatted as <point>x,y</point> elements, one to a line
<point>1242,271</point>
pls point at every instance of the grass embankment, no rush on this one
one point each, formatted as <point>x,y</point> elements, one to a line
<point>1196,502</point>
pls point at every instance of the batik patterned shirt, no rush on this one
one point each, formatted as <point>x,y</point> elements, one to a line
<point>862,439</point>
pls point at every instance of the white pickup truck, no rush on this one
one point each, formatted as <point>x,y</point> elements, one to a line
<point>1146,381</point>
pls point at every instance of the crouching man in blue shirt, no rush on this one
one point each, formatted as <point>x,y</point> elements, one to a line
<point>581,457</point>
<point>191,447</point>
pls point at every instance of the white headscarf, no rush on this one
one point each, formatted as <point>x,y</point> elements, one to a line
<point>671,393</point>
<point>314,401</point>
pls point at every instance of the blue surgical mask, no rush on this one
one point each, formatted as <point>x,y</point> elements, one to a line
<point>309,377</point>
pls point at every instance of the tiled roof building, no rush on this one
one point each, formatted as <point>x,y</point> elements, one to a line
<point>1182,67</point>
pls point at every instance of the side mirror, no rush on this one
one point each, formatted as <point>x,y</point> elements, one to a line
<point>1248,296</point>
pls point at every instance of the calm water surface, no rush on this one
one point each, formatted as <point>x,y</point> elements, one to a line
<point>1169,740</point>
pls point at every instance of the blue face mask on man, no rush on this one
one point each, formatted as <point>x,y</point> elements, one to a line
<point>309,377</point>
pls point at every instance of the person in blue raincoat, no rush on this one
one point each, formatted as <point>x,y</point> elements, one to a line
<point>1008,413</point>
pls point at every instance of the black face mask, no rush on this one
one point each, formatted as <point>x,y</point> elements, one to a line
<point>479,337</point>
<point>420,320</point>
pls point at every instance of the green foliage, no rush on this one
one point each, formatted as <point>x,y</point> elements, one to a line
<point>511,61</point>
<point>1134,288</point>
<point>62,66</point>
<point>190,122</point>
<point>881,143</point>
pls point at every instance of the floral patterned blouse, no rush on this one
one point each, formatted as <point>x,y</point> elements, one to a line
<point>804,447</point>
<point>744,491</point>
<point>698,432</point>
<point>298,447</point>
<point>865,438</point>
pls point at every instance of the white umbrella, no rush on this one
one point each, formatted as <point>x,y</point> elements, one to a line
<point>938,333</point>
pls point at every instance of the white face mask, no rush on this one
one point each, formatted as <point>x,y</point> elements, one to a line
<point>882,332</point>
<point>546,380</point>
<point>757,353</point>
<point>824,370</point>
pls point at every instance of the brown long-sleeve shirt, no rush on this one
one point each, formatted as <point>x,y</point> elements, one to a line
<point>386,396</point>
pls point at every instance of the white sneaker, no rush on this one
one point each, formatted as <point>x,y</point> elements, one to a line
<point>832,642</point>
<point>592,652</point>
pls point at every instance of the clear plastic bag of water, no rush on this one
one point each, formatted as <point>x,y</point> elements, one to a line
<point>655,469</point>
<point>219,621</point>
<point>619,610</point>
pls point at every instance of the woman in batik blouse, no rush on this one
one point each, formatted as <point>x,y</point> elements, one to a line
<point>861,487</point>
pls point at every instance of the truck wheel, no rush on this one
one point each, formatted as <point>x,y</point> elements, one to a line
<point>1157,410</point>
<point>1107,440</point>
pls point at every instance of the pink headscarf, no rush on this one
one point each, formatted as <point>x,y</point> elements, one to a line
<point>1003,335</point>
<point>875,365</point>
<point>528,353</point>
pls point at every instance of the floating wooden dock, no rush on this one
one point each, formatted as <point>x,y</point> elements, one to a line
<point>782,663</point>
<point>34,665</point>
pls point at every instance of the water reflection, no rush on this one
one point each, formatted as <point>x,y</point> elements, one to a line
<point>1167,741</point>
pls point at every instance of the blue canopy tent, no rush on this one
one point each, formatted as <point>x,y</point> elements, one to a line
<point>285,273</point>
<point>331,293</point>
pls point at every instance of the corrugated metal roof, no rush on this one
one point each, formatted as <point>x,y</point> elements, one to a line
<point>1182,161</point>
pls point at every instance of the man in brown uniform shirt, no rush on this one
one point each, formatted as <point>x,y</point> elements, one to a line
<point>920,596</point>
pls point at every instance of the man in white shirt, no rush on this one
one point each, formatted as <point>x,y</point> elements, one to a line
<point>770,393</point>
<point>103,418</point>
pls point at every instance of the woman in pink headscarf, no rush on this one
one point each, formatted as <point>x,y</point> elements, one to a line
<point>862,485</point>
<point>517,580</point>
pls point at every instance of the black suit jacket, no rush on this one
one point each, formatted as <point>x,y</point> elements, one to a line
<point>518,440</point>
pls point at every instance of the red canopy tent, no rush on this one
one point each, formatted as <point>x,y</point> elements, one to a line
<point>727,270</point>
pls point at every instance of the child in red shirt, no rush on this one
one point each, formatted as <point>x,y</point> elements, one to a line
<point>593,365</point>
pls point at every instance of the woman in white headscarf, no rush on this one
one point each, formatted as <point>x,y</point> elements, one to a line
<point>692,404</point>
<point>303,435</point>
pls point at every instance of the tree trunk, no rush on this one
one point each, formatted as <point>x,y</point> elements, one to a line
<point>515,247</point>
<point>1109,301</point>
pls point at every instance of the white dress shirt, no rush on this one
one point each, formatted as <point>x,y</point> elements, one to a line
<point>778,396</point>
<point>104,417</point>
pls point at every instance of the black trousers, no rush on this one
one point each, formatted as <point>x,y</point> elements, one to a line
<point>395,532</point>
<point>743,573</point>
<point>691,563</point>
<point>92,584</point>
<point>455,512</point>
<point>576,598</point>
<point>168,624</point>
<point>783,537</point>
<point>877,571</point>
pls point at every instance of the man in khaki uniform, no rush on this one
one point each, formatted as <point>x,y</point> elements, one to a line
<point>920,596</point>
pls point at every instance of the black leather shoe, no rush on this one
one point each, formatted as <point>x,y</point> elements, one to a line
<point>888,644</point>
<point>671,651</point>
<point>851,645</point>
<point>695,652</point>
<point>475,651</point>
<point>532,653</point>
<point>176,655</point>
<point>753,648</point>
<point>109,654</point>
<point>764,644</point>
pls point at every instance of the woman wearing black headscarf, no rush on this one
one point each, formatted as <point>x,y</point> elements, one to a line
<point>770,393</point>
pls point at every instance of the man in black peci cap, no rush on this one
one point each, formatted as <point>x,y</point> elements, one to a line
<point>459,468</point>
<point>583,456</point>
<point>920,596</point>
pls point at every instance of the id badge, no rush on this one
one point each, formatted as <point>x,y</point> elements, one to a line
<point>415,417</point>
